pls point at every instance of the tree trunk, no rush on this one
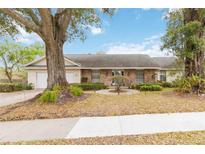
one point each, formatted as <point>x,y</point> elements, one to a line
<point>55,65</point>
<point>9,76</point>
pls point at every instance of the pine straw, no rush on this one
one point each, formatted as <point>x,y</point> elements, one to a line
<point>104,105</point>
<point>195,137</point>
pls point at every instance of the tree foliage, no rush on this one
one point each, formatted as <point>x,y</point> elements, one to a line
<point>14,56</point>
<point>7,26</point>
<point>185,38</point>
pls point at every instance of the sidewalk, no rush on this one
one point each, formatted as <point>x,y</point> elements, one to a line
<point>101,126</point>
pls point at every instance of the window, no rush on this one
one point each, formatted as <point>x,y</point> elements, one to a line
<point>162,75</point>
<point>117,73</point>
<point>140,76</point>
<point>95,76</point>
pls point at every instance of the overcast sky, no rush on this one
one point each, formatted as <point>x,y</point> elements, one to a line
<point>134,31</point>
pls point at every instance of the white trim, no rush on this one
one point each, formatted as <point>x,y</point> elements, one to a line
<point>96,68</point>
<point>72,61</point>
<point>40,59</point>
<point>35,61</point>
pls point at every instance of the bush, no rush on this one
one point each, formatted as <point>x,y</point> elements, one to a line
<point>84,79</point>
<point>91,86</point>
<point>191,84</point>
<point>49,96</point>
<point>138,86</point>
<point>166,84</point>
<point>150,88</point>
<point>75,90</point>
<point>9,87</point>
<point>57,88</point>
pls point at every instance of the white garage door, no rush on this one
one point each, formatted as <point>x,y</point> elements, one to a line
<point>72,77</point>
<point>41,79</point>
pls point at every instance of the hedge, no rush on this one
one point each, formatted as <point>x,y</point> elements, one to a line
<point>150,88</point>
<point>137,86</point>
<point>9,87</point>
<point>91,86</point>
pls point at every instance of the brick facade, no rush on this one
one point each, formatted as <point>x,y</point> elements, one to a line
<point>149,76</point>
<point>87,74</point>
<point>106,76</point>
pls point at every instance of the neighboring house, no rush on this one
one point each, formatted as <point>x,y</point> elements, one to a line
<point>137,68</point>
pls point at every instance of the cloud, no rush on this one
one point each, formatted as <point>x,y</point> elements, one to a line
<point>150,46</point>
<point>96,30</point>
<point>27,38</point>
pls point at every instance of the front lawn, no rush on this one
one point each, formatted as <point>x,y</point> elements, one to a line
<point>195,137</point>
<point>164,101</point>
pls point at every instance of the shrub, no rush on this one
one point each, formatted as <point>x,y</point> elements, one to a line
<point>91,86</point>
<point>84,79</point>
<point>150,88</point>
<point>166,84</point>
<point>138,86</point>
<point>9,87</point>
<point>190,84</point>
<point>75,90</point>
<point>57,88</point>
<point>49,96</point>
<point>29,86</point>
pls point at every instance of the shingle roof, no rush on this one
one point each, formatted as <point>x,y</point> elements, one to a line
<point>113,60</point>
<point>166,62</point>
<point>117,60</point>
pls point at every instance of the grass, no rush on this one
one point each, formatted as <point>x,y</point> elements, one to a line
<point>195,137</point>
<point>164,101</point>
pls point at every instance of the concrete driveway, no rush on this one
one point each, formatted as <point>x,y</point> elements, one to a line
<point>16,97</point>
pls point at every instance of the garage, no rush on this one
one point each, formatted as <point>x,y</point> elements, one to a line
<point>41,78</point>
<point>72,77</point>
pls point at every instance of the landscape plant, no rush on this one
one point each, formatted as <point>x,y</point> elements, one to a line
<point>75,90</point>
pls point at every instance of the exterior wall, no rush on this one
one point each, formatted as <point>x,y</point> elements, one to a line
<point>149,76</point>
<point>173,75</point>
<point>32,77</point>
<point>130,75</point>
<point>106,77</point>
<point>77,74</point>
<point>43,62</point>
<point>86,73</point>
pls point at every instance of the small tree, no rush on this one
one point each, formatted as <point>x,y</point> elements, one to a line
<point>119,82</point>
<point>14,56</point>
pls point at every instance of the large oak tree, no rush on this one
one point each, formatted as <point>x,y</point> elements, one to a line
<point>55,27</point>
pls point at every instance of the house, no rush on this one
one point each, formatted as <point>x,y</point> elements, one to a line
<point>137,68</point>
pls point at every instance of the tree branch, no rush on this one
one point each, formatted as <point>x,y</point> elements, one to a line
<point>33,16</point>
<point>19,18</point>
<point>63,17</point>
<point>47,24</point>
